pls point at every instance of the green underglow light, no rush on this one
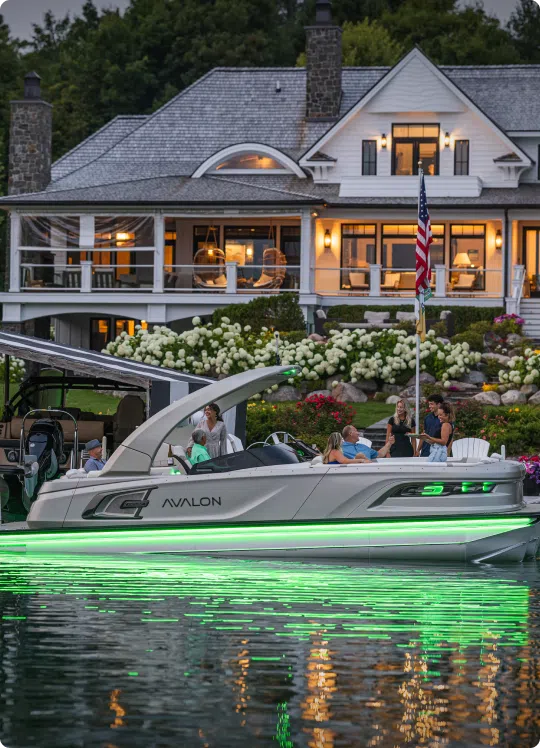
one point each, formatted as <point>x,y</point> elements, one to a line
<point>433,489</point>
<point>487,486</point>
<point>468,487</point>
<point>442,610</point>
<point>290,373</point>
<point>228,537</point>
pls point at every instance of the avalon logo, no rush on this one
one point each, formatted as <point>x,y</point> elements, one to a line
<point>203,501</point>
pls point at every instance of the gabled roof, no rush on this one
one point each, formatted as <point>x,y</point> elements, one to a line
<point>415,53</point>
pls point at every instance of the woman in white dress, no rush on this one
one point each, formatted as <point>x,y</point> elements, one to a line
<point>215,430</point>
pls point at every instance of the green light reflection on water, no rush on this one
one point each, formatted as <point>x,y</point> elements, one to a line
<point>436,609</point>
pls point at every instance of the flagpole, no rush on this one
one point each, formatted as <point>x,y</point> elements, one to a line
<point>418,308</point>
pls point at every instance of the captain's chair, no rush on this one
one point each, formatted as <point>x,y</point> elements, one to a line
<point>273,270</point>
<point>129,416</point>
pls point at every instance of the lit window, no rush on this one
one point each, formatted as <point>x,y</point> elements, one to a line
<point>251,161</point>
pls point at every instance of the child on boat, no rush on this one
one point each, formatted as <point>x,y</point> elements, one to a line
<point>199,453</point>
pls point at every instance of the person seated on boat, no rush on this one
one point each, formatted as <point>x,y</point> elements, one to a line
<point>199,453</point>
<point>432,424</point>
<point>440,447</point>
<point>401,424</point>
<point>95,451</point>
<point>215,430</point>
<point>351,448</point>
<point>333,454</point>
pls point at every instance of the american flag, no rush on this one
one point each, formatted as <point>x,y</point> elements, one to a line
<point>423,241</point>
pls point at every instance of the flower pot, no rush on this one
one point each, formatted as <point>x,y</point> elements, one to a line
<point>530,486</point>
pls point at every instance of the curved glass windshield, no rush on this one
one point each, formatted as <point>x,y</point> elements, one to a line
<point>248,459</point>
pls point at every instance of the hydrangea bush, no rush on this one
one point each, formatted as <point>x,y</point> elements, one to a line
<point>522,369</point>
<point>17,370</point>
<point>353,355</point>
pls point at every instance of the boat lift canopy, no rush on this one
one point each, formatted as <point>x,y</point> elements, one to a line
<point>163,385</point>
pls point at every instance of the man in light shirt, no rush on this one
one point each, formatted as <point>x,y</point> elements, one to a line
<point>351,448</point>
<point>95,450</point>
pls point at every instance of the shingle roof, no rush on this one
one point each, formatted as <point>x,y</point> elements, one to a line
<point>235,105</point>
<point>96,145</point>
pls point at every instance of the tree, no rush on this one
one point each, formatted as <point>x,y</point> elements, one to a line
<point>369,43</point>
<point>450,35</point>
<point>524,25</point>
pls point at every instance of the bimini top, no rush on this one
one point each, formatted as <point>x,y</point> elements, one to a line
<point>91,363</point>
<point>136,454</point>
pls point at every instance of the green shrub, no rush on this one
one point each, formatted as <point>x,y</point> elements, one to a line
<point>464,316</point>
<point>474,339</point>
<point>280,311</point>
<point>440,329</point>
<point>380,397</point>
<point>492,369</point>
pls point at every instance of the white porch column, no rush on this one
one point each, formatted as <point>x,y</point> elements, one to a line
<point>15,257</point>
<point>86,276</point>
<point>232,276</point>
<point>375,280</point>
<point>440,281</point>
<point>307,237</point>
<point>159,252</point>
<point>87,232</point>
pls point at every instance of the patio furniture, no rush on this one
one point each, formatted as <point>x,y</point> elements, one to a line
<point>104,278</point>
<point>470,448</point>
<point>71,278</point>
<point>371,319</point>
<point>406,317</point>
<point>407,282</point>
<point>273,270</point>
<point>391,281</point>
<point>210,272</point>
<point>357,281</point>
<point>465,282</point>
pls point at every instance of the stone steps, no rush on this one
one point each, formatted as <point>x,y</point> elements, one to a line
<point>530,311</point>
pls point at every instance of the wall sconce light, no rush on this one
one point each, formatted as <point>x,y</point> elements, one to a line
<point>249,254</point>
<point>498,239</point>
<point>315,214</point>
<point>384,141</point>
<point>327,239</point>
<point>447,140</point>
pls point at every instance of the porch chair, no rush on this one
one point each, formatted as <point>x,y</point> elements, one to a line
<point>407,282</point>
<point>470,448</point>
<point>273,270</point>
<point>391,281</point>
<point>211,272</point>
<point>104,278</point>
<point>71,278</point>
<point>465,282</point>
<point>357,281</point>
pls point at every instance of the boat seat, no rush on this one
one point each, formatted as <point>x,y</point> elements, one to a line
<point>317,461</point>
<point>87,429</point>
<point>129,415</point>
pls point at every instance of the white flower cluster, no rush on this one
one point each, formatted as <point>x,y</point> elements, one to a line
<point>522,369</point>
<point>387,356</point>
<point>17,370</point>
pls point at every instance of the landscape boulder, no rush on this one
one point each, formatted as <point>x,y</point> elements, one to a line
<point>488,398</point>
<point>529,389</point>
<point>283,394</point>
<point>503,360</point>
<point>393,399</point>
<point>513,397</point>
<point>316,338</point>
<point>392,389</point>
<point>366,385</point>
<point>535,399</point>
<point>425,378</point>
<point>321,393</point>
<point>514,339</point>
<point>348,393</point>
<point>474,377</point>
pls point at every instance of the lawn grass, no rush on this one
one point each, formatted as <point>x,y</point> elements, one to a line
<point>95,402</point>
<point>369,413</point>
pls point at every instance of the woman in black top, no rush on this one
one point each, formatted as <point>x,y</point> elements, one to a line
<point>401,424</point>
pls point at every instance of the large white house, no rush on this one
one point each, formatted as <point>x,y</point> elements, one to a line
<point>265,181</point>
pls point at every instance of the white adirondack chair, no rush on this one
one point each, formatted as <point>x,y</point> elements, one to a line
<point>365,442</point>
<point>470,448</point>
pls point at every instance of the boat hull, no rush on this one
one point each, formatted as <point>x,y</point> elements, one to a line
<point>493,539</point>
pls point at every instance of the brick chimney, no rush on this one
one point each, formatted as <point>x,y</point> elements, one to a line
<point>30,140</point>
<point>323,65</point>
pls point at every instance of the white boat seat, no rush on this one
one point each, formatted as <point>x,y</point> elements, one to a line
<point>470,447</point>
<point>364,441</point>
<point>317,461</point>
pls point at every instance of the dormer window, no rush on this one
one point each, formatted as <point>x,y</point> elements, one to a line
<point>251,162</point>
<point>414,143</point>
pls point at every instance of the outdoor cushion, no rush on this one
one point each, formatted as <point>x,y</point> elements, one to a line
<point>375,318</point>
<point>406,317</point>
<point>465,280</point>
<point>357,279</point>
<point>391,280</point>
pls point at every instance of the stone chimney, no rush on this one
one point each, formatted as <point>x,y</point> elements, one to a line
<point>30,140</point>
<point>323,65</point>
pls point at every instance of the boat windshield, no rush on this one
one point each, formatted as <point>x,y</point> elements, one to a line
<point>275,454</point>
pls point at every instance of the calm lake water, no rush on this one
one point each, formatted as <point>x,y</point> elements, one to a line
<point>122,652</point>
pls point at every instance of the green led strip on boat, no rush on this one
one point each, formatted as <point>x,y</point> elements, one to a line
<point>324,531</point>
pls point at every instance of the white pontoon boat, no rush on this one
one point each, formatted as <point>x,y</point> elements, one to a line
<point>269,501</point>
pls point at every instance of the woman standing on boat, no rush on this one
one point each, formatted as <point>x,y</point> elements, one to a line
<point>215,430</point>
<point>440,448</point>
<point>401,424</point>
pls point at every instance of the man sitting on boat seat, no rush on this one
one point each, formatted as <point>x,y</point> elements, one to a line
<point>95,450</point>
<point>351,448</point>
<point>199,453</point>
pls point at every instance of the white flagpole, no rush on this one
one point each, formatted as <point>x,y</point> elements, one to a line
<point>418,309</point>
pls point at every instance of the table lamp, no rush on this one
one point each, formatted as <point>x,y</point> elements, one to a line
<point>463,260</point>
